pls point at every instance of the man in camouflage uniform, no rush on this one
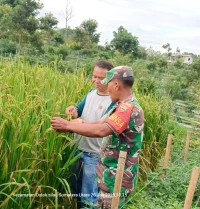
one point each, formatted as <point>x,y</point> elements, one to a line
<point>122,129</point>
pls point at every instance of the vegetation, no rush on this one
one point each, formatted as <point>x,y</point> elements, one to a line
<point>37,159</point>
<point>43,69</point>
<point>170,192</point>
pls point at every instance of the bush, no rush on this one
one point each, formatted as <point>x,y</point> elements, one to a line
<point>120,59</point>
<point>146,85</point>
<point>63,50</point>
<point>162,63</point>
<point>196,67</point>
<point>173,88</point>
<point>152,65</point>
<point>178,64</point>
<point>7,46</point>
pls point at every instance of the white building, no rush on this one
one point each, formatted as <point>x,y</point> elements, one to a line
<point>186,59</point>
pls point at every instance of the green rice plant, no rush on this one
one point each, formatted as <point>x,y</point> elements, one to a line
<point>29,150</point>
<point>36,160</point>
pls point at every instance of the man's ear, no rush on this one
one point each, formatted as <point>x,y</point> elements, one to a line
<point>117,85</point>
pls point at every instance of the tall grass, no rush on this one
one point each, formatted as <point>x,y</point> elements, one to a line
<point>34,159</point>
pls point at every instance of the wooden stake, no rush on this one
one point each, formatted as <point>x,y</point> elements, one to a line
<point>118,180</point>
<point>167,155</point>
<point>187,146</point>
<point>191,188</point>
<point>199,192</point>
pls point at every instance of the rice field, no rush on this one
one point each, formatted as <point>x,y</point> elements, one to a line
<point>34,160</point>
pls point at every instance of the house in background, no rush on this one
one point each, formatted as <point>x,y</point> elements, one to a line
<point>186,59</point>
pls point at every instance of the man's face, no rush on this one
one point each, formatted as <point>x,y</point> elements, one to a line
<point>98,75</point>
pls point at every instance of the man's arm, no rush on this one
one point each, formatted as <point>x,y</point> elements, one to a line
<point>93,122</point>
<point>76,111</point>
<point>79,120</point>
<point>81,104</point>
<point>84,129</point>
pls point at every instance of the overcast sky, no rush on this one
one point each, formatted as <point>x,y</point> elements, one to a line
<point>154,22</point>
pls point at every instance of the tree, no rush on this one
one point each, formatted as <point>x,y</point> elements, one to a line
<point>21,22</point>
<point>47,25</point>
<point>125,42</point>
<point>11,3</point>
<point>151,53</point>
<point>81,37</point>
<point>86,33</point>
<point>142,53</point>
<point>167,46</point>
<point>178,52</point>
<point>7,46</point>
<point>68,13</point>
<point>90,26</point>
<point>69,32</point>
<point>48,22</point>
<point>5,11</point>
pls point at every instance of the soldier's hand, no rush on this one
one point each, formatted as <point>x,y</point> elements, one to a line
<point>77,120</point>
<point>59,124</point>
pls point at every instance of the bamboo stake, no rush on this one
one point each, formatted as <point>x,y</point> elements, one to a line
<point>118,180</point>
<point>191,187</point>
<point>187,146</point>
<point>167,155</point>
<point>199,196</point>
<point>199,192</point>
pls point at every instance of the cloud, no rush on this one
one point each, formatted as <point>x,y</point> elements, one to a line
<point>154,22</point>
<point>146,28</point>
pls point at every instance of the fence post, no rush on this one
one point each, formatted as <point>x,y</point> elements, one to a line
<point>118,180</point>
<point>187,146</point>
<point>191,188</point>
<point>167,155</point>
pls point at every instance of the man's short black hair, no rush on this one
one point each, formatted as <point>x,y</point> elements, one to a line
<point>128,81</point>
<point>104,64</point>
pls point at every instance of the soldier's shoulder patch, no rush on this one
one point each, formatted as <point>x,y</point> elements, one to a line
<point>124,106</point>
